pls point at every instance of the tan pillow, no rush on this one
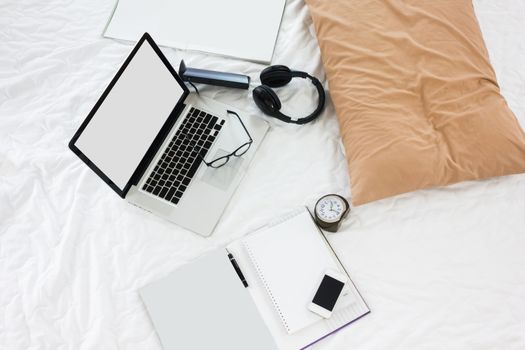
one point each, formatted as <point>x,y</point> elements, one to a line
<point>416,97</point>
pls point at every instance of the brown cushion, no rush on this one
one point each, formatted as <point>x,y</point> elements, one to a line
<point>417,99</point>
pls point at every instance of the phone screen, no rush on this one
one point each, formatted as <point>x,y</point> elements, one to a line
<point>328,292</point>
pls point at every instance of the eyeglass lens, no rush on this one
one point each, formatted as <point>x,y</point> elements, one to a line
<point>217,163</point>
<point>243,149</point>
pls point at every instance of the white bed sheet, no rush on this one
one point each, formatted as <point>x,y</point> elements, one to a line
<point>440,269</point>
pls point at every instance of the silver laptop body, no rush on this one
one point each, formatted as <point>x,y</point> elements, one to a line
<point>210,189</point>
<point>134,129</point>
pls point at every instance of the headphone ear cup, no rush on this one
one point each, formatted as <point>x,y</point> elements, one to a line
<point>276,76</point>
<point>266,99</point>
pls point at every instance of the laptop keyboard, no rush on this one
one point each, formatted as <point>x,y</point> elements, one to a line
<point>173,173</point>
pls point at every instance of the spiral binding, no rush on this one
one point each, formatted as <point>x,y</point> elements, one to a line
<point>266,286</point>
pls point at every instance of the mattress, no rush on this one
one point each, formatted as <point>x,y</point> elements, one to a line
<point>439,268</point>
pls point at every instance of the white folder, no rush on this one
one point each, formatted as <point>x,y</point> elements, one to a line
<point>203,306</point>
<point>244,29</point>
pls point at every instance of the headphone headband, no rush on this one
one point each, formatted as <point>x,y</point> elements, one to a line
<point>300,74</point>
<point>269,103</point>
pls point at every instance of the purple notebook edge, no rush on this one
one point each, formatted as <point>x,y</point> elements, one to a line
<point>335,331</point>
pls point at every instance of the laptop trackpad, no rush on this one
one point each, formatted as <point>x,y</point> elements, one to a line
<point>222,177</point>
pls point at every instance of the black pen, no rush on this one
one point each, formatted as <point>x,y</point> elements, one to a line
<point>237,269</point>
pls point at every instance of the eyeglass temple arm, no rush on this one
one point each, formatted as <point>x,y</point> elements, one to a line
<point>243,126</point>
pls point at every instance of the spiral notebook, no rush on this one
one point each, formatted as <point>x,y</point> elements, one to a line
<point>290,258</point>
<point>283,263</point>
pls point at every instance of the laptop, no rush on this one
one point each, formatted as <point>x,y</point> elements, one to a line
<point>172,153</point>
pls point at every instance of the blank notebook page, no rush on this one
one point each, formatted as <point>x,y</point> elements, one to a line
<point>291,258</point>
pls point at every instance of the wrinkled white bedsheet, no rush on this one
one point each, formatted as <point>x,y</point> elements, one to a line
<point>440,269</point>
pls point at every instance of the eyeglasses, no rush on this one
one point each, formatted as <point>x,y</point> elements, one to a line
<point>242,149</point>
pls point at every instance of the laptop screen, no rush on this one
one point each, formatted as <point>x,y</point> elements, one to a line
<point>130,116</point>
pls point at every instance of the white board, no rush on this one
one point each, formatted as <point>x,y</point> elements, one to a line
<point>245,29</point>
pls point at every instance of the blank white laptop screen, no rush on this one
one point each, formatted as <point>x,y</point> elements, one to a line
<point>132,114</point>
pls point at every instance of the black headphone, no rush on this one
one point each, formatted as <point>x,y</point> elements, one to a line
<point>277,76</point>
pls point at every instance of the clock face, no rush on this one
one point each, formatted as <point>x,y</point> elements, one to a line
<point>330,209</point>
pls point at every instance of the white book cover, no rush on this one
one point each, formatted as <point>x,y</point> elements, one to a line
<point>245,29</point>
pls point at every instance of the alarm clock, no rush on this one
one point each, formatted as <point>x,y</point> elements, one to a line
<point>330,210</point>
